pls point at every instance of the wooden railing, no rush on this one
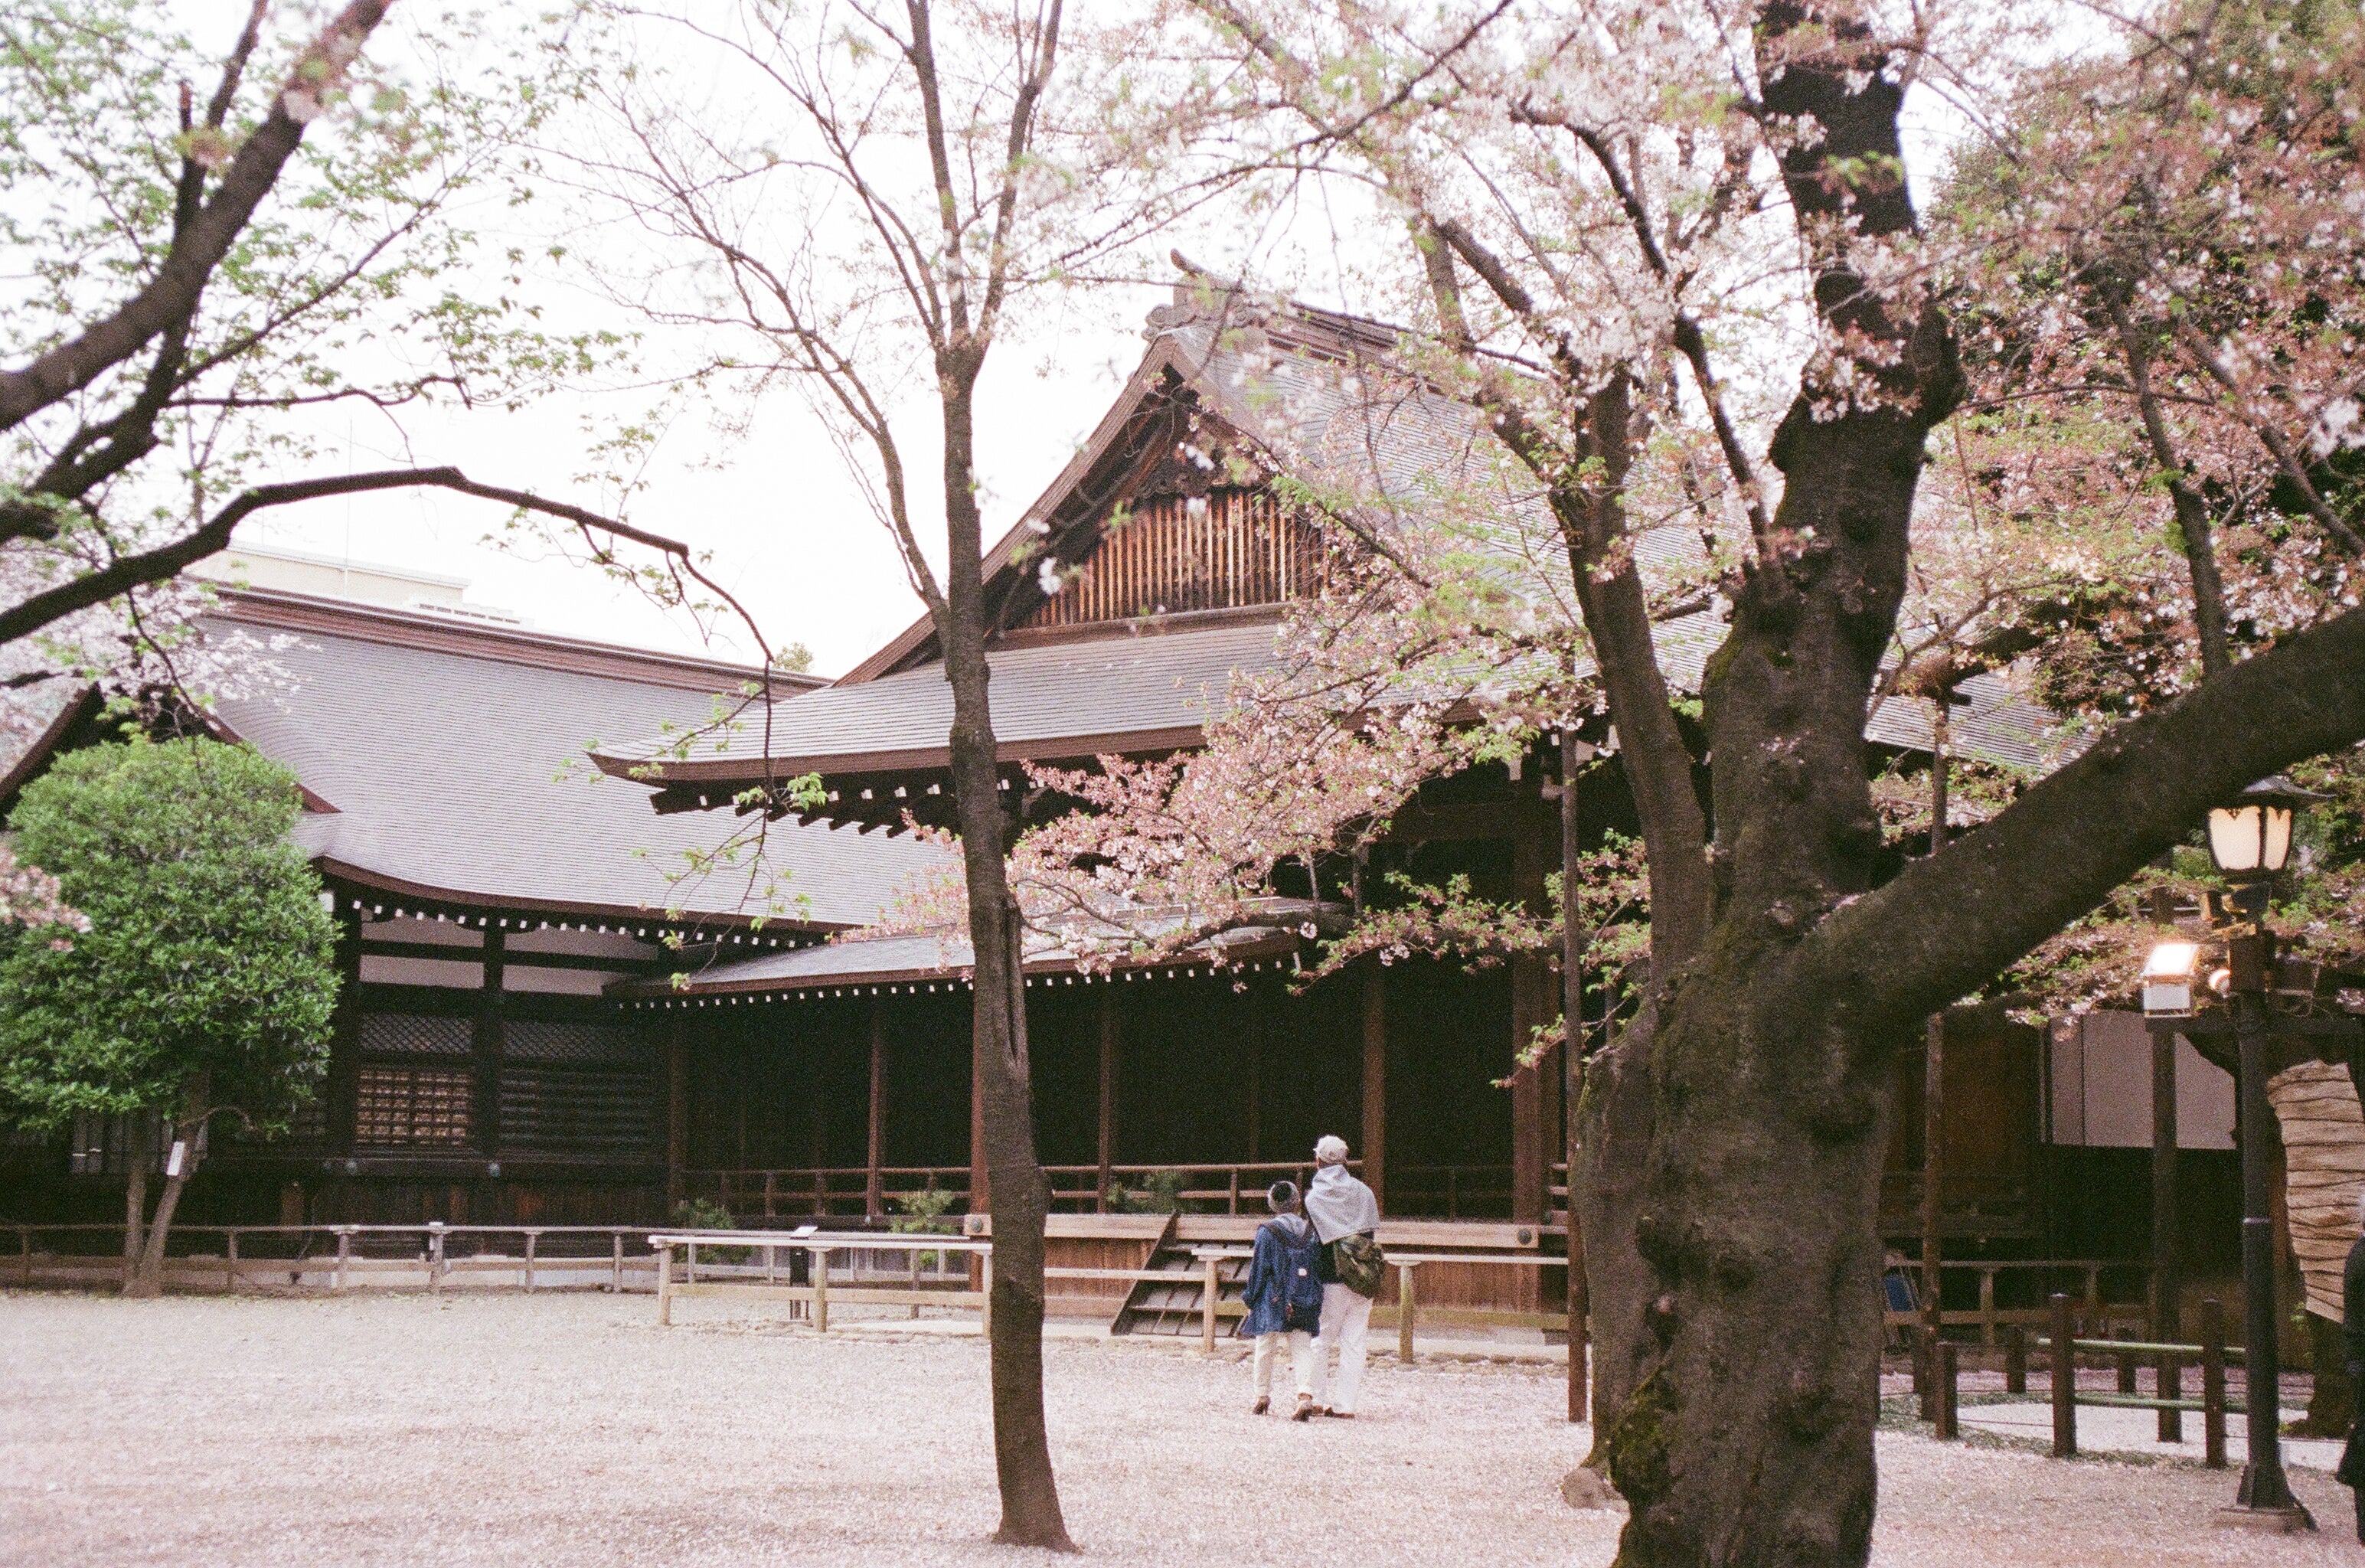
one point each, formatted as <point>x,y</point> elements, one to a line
<point>339,1256</point>
<point>1237,1188</point>
<point>1450,1191</point>
<point>757,1279</point>
<point>2093,1310</point>
<point>825,1192</point>
<point>2062,1347</point>
<point>821,1191</point>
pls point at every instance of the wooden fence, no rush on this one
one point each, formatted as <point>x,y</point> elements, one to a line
<point>342,1257</point>
<point>747,1279</point>
<point>2093,1309</point>
<point>2062,1347</point>
<point>1454,1191</point>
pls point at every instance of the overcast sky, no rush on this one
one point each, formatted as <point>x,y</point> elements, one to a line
<point>788,530</point>
<point>785,527</point>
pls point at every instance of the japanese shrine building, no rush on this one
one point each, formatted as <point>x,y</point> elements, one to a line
<point>512,1044</point>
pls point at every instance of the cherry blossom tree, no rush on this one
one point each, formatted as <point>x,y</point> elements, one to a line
<point>1592,196</point>
<point>923,175</point>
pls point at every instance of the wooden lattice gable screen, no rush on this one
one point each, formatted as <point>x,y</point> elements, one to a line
<point>1197,528</point>
<point>1232,548</point>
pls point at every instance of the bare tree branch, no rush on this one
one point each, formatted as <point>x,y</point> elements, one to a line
<point>171,297</point>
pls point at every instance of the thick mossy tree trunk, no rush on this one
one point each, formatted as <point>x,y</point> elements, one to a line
<point>1746,1435</point>
<point>1744,1240</point>
<point>1018,1197</point>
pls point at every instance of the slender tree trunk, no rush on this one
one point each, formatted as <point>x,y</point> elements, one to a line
<point>1017,1195</point>
<point>190,1130</point>
<point>139,1153</point>
<point>1573,945</point>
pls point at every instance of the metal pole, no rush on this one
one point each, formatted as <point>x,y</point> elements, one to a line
<point>1934,1099</point>
<point>2165,1326</point>
<point>2264,1496</point>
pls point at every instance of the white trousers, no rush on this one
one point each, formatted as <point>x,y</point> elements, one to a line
<point>1346,1322</point>
<point>1301,1360</point>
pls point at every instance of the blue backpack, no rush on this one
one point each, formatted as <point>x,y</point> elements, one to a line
<point>1301,1281</point>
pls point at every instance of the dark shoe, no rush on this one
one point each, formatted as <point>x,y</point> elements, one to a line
<point>1305,1411</point>
<point>1260,1406</point>
<point>1339,1415</point>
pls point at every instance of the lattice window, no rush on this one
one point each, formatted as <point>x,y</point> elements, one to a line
<point>411,1107</point>
<point>417,1035</point>
<point>579,1109</point>
<point>526,1039</point>
<point>1227,550</point>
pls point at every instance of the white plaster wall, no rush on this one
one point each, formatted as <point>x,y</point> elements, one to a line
<point>2102,1087</point>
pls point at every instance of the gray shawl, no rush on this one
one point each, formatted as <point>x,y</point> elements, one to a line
<point>1339,1204</point>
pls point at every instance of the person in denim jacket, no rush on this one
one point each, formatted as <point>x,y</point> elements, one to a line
<point>1283,1293</point>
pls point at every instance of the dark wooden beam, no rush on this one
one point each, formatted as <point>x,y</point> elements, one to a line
<point>488,1052</point>
<point>677,1113</point>
<point>1106,1137</point>
<point>512,958</point>
<point>874,1199</point>
<point>1376,1080</point>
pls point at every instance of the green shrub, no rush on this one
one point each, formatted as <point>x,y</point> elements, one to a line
<point>705,1214</point>
<point>924,1213</point>
<point>1161,1192</point>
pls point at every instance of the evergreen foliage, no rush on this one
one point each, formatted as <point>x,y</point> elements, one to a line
<point>208,973</point>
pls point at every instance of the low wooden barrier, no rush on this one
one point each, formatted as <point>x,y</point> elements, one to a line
<point>1991,1319</point>
<point>342,1256</point>
<point>2062,1347</point>
<point>816,1295</point>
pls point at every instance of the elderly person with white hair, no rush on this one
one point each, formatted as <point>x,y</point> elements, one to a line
<point>1345,1216</point>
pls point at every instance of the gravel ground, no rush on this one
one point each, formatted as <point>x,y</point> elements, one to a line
<point>570,1430</point>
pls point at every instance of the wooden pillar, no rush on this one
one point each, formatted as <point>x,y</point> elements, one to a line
<point>345,1042</point>
<point>978,1184</point>
<point>874,1203</point>
<point>487,1064</point>
<point>1531,1153</point>
<point>816,1134</point>
<point>1933,1123</point>
<point>1376,1080</point>
<point>1255,1073</point>
<point>2165,1326</point>
<point>1105,1150</point>
<point>1530,1010</point>
<point>676,1112</point>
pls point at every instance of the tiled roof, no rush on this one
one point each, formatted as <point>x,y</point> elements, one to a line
<point>1049,700</point>
<point>944,955</point>
<point>445,769</point>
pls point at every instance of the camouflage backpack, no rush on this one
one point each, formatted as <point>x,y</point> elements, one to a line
<point>1361,1264</point>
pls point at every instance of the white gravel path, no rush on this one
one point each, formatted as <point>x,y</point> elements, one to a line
<point>571,1431</point>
